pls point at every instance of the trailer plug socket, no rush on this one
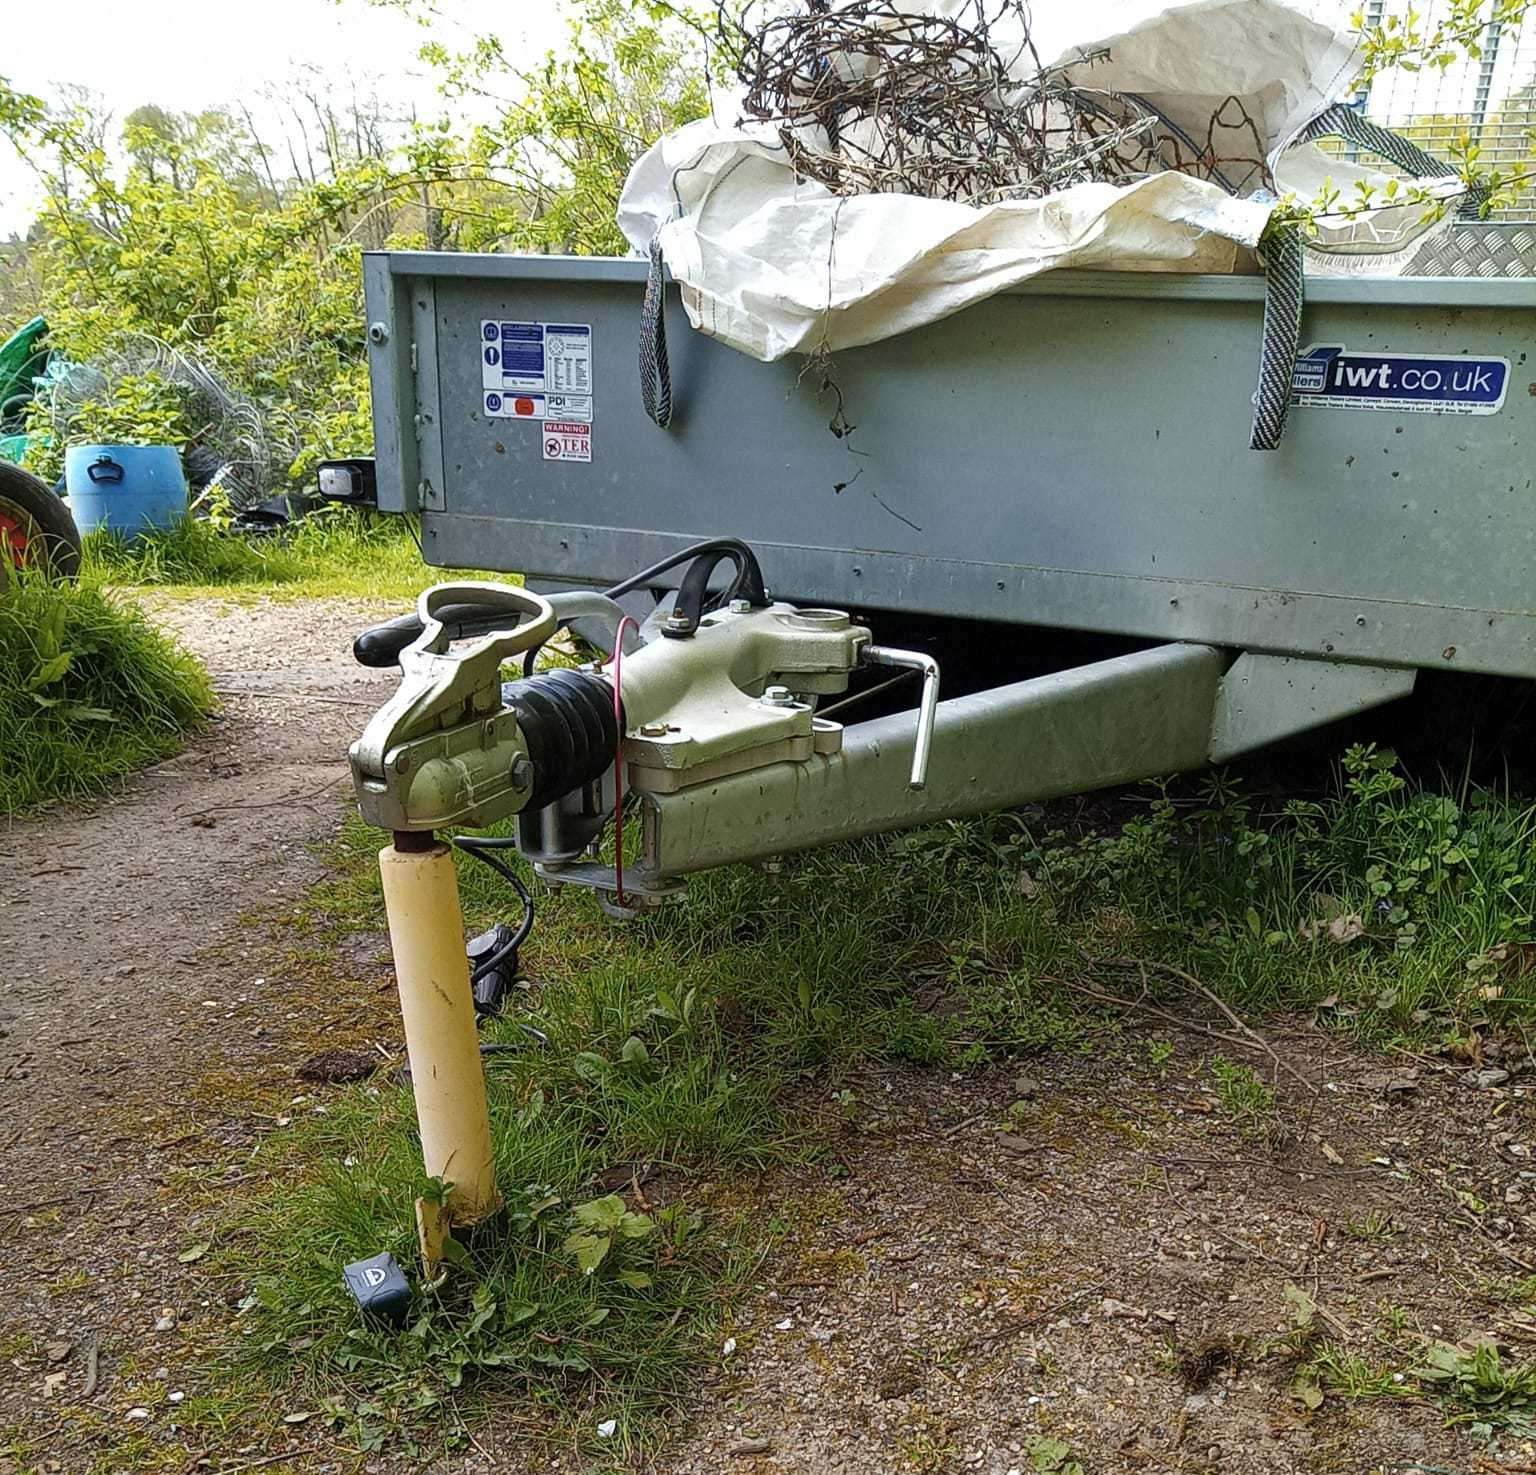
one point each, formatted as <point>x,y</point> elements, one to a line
<point>491,990</point>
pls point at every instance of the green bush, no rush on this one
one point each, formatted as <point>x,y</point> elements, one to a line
<point>179,229</point>
<point>89,691</point>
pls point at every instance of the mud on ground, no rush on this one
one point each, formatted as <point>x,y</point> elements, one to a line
<point>1108,1265</point>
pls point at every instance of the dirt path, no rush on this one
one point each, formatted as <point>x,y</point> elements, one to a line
<point>128,981</point>
<point>1107,1275</point>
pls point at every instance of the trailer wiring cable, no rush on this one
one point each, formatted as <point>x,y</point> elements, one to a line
<point>618,759</point>
<point>870,691</point>
<point>481,848</point>
<point>749,573</point>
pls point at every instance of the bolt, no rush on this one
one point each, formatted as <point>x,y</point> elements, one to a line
<point>402,762</point>
<point>378,333</point>
<point>522,771</point>
<point>778,696</point>
<point>740,606</point>
<point>653,729</point>
<point>677,622</point>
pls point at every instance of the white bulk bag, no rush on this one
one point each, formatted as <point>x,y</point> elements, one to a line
<point>772,264</point>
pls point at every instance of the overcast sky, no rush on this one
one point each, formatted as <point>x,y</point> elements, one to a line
<point>192,54</point>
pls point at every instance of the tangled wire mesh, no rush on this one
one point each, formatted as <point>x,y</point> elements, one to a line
<point>235,443</point>
<point>871,97</point>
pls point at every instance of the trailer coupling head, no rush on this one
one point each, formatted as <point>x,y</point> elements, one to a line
<point>711,688</point>
<point>445,749</point>
<point>456,746</point>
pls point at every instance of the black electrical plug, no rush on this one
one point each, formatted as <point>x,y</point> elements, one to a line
<point>380,1288</point>
<point>491,988</point>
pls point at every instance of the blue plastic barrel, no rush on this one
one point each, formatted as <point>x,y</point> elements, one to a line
<point>129,489</point>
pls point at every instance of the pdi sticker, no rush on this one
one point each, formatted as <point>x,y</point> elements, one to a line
<point>567,440</point>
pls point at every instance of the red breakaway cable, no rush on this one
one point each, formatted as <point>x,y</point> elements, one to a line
<point>618,758</point>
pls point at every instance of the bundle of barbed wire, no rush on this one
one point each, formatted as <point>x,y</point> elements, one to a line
<point>235,444</point>
<point>869,97</point>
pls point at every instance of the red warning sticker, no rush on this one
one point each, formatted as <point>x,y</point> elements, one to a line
<point>567,440</point>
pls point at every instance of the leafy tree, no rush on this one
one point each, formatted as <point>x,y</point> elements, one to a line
<point>569,129</point>
<point>182,228</point>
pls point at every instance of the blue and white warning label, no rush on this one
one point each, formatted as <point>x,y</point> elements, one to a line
<point>1329,376</point>
<point>536,371</point>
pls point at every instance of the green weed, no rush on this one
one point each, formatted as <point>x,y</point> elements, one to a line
<point>1473,1386</point>
<point>1390,906</point>
<point>1243,1096</point>
<point>1050,1456</point>
<point>1373,1225</point>
<point>1479,1387</point>
<point>89,691</point>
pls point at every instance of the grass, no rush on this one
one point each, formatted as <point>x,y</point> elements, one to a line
<point>679,1044</point>
<point>726,1033</point>
<point>338,551</point>
<point>89,691</point>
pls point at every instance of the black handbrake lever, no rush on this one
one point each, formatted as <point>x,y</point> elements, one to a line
<point>381,645</point>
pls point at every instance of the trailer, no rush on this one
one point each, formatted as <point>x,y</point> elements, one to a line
<point>1068,456</point>
<point>1071,456</point>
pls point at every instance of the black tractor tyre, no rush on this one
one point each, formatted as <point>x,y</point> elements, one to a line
<point>36,525</point>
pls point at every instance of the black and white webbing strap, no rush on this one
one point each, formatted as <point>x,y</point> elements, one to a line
<point>1350,124</point>
<point>1284,288</point>
<point>1283,257</point>
<point>655,370</point>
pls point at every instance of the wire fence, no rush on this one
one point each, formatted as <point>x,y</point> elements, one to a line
<point>1491,100</point>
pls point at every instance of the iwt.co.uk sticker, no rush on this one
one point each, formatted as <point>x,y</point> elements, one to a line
<point>1329,376</point>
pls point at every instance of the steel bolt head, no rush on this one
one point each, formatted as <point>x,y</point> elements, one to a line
<point>740,606</point>
<point>677,622</point>
<point>778,696</point>
<point>653,729</point>
<point>522,771</point>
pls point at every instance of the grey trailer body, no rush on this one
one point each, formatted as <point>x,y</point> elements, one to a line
<point>1071,454</point>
